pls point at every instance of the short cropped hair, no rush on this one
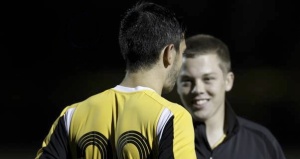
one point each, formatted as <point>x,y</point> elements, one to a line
<point>202,44</point>
<point>145,30</point>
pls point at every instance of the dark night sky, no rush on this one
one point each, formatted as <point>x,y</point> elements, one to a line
<point>54,53</point>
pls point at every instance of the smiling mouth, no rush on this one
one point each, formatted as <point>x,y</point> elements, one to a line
<point>200,103</point>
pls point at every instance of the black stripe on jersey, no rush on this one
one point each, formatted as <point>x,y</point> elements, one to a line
<point>167,139</point>
<point>58,146</point>
<point>137,139</point>
<point>97,139</point>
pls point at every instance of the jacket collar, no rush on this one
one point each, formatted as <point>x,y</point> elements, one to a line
<point>231,125</point>
<point>231,122</point>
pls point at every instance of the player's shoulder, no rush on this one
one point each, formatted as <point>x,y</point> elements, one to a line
<point>99,97</point>
<point>103,94</point>
<point>164,102</point>
<point>91,101</point>
<point>176,108</point>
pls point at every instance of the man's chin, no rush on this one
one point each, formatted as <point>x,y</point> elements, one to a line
<point>199,116</point>
<point>167,90</point>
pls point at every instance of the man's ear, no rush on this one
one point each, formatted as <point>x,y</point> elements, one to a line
<point>229,81</point>
<point>168,55</point>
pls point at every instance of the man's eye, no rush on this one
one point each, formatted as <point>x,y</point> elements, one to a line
<point>185,82</point>
<point>209,79</point>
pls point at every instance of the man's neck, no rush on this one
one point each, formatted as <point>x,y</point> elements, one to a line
<point>148,79</point>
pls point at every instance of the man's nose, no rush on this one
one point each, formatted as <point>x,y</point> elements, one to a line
<point>198,87</point>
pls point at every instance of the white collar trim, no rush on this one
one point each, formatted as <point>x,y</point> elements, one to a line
<point>131,89</point>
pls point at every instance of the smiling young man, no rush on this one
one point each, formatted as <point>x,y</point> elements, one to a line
<point>204,79</point>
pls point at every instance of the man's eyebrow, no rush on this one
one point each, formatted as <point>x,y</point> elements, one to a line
<point>209,74</point>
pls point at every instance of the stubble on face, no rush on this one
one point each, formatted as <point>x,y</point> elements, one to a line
<point>175,70</point>
<point>172,76</point>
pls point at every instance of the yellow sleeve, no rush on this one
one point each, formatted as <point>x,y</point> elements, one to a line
<point>48,137</point>
<point>177,140</point>
<point>184,137</point>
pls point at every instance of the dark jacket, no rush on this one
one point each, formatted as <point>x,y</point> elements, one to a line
<point>244,140</point>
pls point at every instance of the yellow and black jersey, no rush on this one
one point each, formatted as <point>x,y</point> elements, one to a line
<point>152,127</point>
<point>121,122</point>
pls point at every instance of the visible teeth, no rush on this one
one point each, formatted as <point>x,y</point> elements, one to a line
<point>202,101</point>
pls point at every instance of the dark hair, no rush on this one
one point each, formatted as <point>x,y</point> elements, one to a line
<point>145,30</point>
<point>202,44</point>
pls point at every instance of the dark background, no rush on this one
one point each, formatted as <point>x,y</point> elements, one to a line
<point>55,53</point>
